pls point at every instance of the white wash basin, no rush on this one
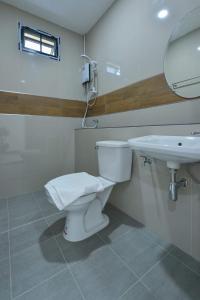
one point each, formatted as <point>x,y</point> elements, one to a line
<point>175,150</point>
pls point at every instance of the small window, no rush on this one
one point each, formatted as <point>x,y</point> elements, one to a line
<point>38,42</point>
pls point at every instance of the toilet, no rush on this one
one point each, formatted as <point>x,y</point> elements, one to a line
<point>84,215</point>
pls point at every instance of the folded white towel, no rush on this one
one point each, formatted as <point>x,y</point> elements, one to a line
<point>66,189</point>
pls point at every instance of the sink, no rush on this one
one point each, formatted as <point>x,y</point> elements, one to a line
<point>175,150</point>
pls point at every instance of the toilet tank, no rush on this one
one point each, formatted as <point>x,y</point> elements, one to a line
<point>114,160</point>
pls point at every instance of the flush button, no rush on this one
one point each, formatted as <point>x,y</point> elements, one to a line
<point>179,144</point>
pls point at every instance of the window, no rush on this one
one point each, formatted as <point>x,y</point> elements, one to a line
<point>113,69</point>
<point>38,42</point>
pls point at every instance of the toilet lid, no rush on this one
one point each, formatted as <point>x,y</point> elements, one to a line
<point>66,189</point>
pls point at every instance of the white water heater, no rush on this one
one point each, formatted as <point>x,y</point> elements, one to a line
<point>86,73</point>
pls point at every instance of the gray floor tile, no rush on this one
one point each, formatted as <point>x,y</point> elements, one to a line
<point>4,280</point>
<point>100,273</point>
<point>142,262</point>
<point>3,215</point>
<point>112,212</point>
<point>78,251</point>
<point>56,223</point>
<point>4,246</point>
<point>119,224</point>
<point>27,235</point>
<point>138,251</point>
<point>35,265</point>
<point>3,224</point>
<point>165,244</point>
<point>3,208</point>
<point>186,259</point>
<point>22,210</point>
<point>46,207</point>
<point>138,292</point>
<point>102,276</point>
<point>170,279</point>
<point>60,287</point>
<point>116,215</point>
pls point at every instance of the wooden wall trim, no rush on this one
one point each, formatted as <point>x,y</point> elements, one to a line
<point>150,92</point>
<point>16,103</point>
<point>146,93</point>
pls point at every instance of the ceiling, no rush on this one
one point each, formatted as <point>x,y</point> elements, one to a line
<point>188,24</point>
<point>76,15</point>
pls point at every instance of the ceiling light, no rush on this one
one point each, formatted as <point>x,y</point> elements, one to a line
<point>162,14</point>
<point>198,48</point>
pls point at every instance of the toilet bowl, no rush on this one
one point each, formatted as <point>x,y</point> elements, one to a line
<point>84,215</point>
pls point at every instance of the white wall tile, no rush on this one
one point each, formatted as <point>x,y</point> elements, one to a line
<point>145,197</point>
<point>33,74</point>
<point>33,150</point>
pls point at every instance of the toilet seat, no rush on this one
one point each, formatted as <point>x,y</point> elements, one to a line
<point>67,189</point>
<point>89,197</point>
<point>84,199</point>
<point>105,182</point>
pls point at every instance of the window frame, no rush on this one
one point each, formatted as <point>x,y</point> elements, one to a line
<point>42,34</point>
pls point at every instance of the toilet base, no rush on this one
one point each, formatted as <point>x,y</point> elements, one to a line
<point>70,237</point>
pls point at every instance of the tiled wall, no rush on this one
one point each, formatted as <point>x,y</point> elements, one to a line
<point>145,197</point>
<point>34,150</point>
<point>33,74</point>
<point>131,37</point>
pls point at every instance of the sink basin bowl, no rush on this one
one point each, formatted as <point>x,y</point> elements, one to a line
<point>175,150</point>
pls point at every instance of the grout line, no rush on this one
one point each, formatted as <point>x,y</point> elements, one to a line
<point>149,270</point>
<point>6,231</point>
<point>116,239</point>
<point>182,262</point>
<point>37,202</point>
<point>140,278</point>
<point>154,266</point>
<point>54,275</point>
<point>67,265</point>
<point>130,287</point>
<point>29,223</point>
<point>119,257</point>
<point>31,246</point>
<point>9,251</point>
<point>70,271</point>
<point>32,222</point>
<point>145,286</point>
<point>45,280</point>
<point>39,284</point>
<point>40,207</point>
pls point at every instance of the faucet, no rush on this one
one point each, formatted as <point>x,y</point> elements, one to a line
<point>196,133</point>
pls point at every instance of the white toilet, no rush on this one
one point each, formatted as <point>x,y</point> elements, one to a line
<point>84,216</point>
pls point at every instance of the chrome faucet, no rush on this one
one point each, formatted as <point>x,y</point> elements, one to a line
<point>196,133</point>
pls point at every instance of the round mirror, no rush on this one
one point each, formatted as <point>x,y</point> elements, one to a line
<point>182,60</point>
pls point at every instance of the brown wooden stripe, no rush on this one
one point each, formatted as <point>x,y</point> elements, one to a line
<point>16,103</point>
<point>146,93</point>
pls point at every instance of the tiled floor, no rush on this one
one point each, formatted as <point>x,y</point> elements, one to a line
<point>124,261</point>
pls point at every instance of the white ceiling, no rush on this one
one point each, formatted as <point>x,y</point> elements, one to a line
<point>76,15</point>
<point>189,23</point>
